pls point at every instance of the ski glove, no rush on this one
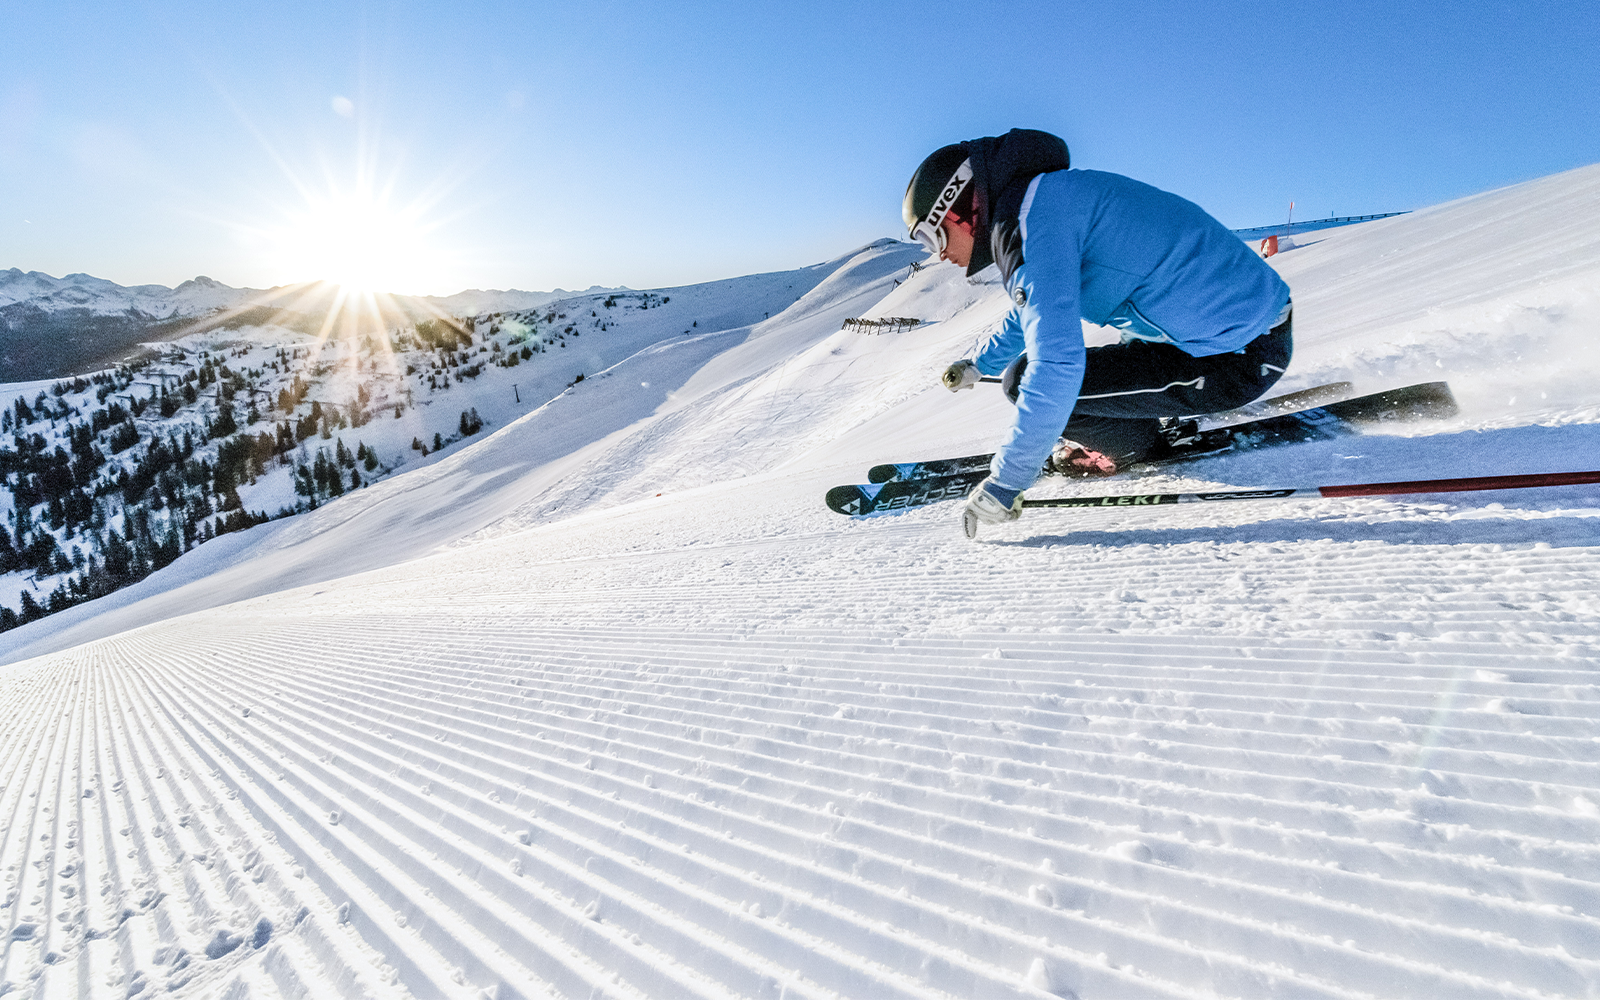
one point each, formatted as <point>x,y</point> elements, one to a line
<point>992,503</point>
<point>961,375</point>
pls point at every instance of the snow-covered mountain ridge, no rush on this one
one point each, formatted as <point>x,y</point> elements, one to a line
<point>201,295</point>
<point>194,297</point>
<point>605,703</point>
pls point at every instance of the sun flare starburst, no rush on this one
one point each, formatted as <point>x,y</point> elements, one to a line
<point>358,241</point>
<point>352,257</point>
<point>352,245</point>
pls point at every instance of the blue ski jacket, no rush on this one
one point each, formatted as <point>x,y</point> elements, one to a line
<point>1086,244</point>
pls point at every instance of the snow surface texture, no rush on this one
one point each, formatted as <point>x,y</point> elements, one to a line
<point>648,720</point>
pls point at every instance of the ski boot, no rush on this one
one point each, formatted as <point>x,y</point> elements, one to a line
<point>1069,458</point>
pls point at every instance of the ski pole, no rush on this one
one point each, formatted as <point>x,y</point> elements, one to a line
<point>969,522</point>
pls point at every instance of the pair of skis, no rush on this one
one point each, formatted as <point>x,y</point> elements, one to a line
<point>1310,415</point>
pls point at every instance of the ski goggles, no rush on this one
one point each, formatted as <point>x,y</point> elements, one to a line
<point>929,232</point>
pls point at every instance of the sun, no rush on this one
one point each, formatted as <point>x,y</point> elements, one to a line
<point>356,240</point>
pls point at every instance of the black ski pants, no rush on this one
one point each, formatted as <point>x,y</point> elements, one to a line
<point>1129,387</point>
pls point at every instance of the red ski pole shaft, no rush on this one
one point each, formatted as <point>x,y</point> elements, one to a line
<point>1308,492</point>
<point>1463,485</point>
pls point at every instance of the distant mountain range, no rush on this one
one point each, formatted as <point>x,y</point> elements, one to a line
<point>53,327</point>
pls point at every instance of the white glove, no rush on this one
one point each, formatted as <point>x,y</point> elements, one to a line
<point>961,375</point>
<point>992,503</point>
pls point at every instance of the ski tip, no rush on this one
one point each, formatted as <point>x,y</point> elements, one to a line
<point>1439,401</point>
<point>847,500</point>
<point>969,524</point>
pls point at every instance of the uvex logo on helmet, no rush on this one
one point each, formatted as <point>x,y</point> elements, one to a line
<point>952,190</point>
<point>947,197</point>
<point>927,231</point>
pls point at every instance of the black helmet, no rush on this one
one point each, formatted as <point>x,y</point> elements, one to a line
<point>935,187</point>
<point>990,168</point>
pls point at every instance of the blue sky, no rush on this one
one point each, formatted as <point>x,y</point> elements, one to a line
<point>538,145</point>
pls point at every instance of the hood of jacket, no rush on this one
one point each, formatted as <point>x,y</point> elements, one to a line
<point>1002,166</point>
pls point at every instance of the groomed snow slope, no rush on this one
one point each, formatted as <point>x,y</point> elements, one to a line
<point>721,742</point>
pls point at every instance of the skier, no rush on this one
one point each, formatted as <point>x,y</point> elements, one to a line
<point>1205,322</point>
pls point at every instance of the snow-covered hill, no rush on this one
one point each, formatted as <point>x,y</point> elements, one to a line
<point>111,476</point>
<point>119,474</point>
<point>607,704</point>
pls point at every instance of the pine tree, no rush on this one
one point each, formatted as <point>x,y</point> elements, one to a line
<point>225,424</point>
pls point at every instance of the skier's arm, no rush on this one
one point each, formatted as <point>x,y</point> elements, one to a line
<point>1052,334</point>
<point>1002,346</point>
